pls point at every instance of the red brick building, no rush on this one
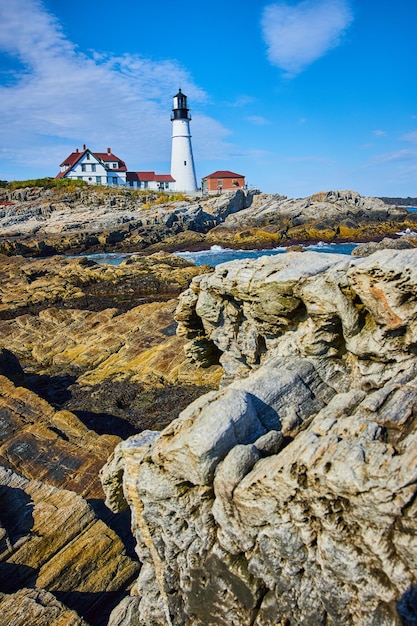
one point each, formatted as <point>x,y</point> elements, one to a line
<point>223,180</point>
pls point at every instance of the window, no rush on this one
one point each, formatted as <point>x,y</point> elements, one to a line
<point>114,180</point>
<point>98,180</point>
<point>185,162</point>
<point>114,165</point>
<point>220,182</point>
<point>93,167</point>
<point>87,156</point>
<point>83,167</point>
<point>79,177</point>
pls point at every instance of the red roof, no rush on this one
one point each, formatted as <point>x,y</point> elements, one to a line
<point>149,177</point>
<point>74,157</point>
<point>164,178</point>
<point>109,156</point>
<point>223,174</point>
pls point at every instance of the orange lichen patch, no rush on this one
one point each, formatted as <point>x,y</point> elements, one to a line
<point>385,312</point>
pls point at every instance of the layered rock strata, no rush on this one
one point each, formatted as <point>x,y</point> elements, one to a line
<point>29,286</point>
<point>45,444</point>
<point>58,561</point>
<point>75,377</point>
<point>289,496</point>
<point>99,338</point>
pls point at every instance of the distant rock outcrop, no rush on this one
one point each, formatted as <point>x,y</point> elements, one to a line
<point>289,496</point>
<point>41,222</point>
<point>407,241</point>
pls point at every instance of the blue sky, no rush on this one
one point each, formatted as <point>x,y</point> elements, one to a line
<point>298,96</point>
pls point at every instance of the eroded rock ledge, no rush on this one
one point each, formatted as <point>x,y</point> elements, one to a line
<point>289,496</point>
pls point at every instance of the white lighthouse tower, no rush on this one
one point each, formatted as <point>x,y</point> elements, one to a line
<point>182,161</point>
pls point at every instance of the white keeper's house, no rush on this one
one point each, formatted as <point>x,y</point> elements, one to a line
<point>105,168</point>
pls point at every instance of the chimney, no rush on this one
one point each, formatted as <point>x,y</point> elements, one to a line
<point>84,147</point>
<point>108,150</point>
<point>76,150</point>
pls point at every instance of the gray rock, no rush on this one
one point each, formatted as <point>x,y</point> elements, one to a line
<point>289,496</point>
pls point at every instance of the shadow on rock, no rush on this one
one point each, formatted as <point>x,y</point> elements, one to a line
<point>16,517</point>
<point>15,576</point>
<point>407,607</point>
<point>53,389</point>
<point>95,608</point>
<point>106,424</point>
<point>16,512</point>
<point>10,366</point>
<point>120,523</point>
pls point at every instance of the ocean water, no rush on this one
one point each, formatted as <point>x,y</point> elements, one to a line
<point>216,254</point>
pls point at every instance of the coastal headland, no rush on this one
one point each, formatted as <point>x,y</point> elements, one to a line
<point>38,221</point>
<point>252,425</point>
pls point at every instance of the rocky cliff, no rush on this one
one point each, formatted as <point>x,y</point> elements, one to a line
<point>289,495</point>
<point>41,222</point>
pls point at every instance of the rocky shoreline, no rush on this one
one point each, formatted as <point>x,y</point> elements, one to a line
<point>283,492</point>
<point>43,222</point>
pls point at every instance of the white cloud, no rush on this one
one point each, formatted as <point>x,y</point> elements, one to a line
<point>257,120</point>
<point>412,137</point>
<point>242,101</point>
<point>397,156</point>
<point>61,98</point>
<point>379,133</point>
<point>298,35</point>
<point>310,159</point>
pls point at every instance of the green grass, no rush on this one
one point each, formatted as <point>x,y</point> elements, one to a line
<point>47,183</point>
<point>149,198</point>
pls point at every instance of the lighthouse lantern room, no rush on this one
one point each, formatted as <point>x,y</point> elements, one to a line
<point>182,161</point>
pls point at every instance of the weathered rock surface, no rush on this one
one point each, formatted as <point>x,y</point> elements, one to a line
<point>289,496</point>
<point>40,442</point>
<point>124,361</point>
<point>41,222</point>
<point>36,607</point>
<point>326,216</point>
<point>75,376</point>
<point>51,538</point>
<point>58,561</point>
<point>29,286</point>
